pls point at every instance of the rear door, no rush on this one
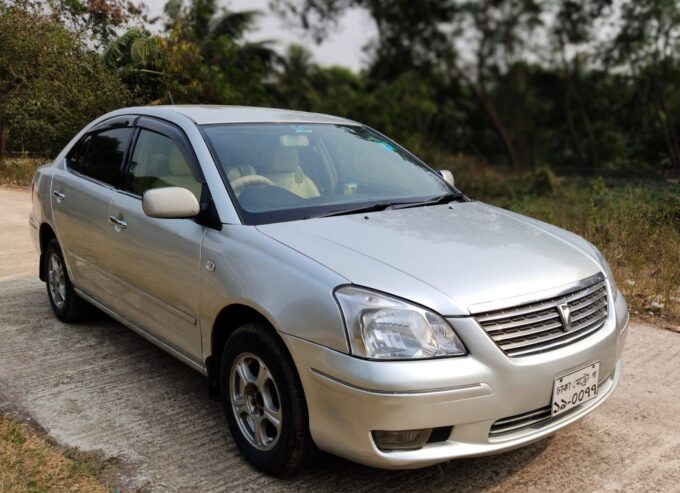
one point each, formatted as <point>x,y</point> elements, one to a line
<point>81,196</point>
<point>155,263</point>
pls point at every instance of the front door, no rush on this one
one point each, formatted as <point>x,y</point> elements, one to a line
<point>155,263</point>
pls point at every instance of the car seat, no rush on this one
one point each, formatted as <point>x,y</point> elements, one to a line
<point>283,168</point>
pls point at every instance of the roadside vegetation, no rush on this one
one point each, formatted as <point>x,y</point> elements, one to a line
<point>28,463</point>
<point>566,111</point>
<point>635,223</point>
<point>581,130</point>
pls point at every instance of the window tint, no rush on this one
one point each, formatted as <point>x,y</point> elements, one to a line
<point>76,158</point>
<point>158,162</point>
<point>104,155</point>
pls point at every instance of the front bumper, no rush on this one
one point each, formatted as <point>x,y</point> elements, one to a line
<point>348,398</point>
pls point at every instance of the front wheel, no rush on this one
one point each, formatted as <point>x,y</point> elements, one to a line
<point>264,402</point>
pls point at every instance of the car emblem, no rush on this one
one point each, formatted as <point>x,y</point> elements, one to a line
<point>565,316</point>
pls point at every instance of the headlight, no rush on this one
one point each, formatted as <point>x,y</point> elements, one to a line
<point>382,327</point>
<point>607,271</point>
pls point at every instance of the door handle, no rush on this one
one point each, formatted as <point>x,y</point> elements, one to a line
<point>118,222</point>
<point>59,195</point>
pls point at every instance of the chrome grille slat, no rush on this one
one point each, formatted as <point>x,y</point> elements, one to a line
<point>548,337</point>
<point>531,308</point>
<point>518,323</point>
<point>527,332</point>
<point>598,307</point>
<point>538,327</point>
<point>588,300</point>
<point>522,417</point>
<point>557,343</point>
<point>520,421</point>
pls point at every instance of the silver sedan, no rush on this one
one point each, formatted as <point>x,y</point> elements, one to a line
<point>337,292</point>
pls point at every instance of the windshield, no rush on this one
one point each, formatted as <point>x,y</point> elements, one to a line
<point>283,172</point>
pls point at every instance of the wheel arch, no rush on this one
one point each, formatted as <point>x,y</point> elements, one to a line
<point>230,318</point>
<point>45,234</point>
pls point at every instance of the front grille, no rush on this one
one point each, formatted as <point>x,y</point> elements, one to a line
<point>539,327</point>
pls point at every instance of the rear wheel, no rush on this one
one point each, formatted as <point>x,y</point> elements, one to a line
<point>66,303</point>
<point>264,402</point>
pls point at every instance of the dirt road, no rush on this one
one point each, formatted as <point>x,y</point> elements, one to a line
<point>98,386</point>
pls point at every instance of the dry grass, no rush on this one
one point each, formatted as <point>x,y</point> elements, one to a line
<point>19,170</point>
<point>635,224</point>
<point>30,464</point>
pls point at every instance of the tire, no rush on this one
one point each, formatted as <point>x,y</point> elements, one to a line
<point>260,385</point>
<point>67,305</point>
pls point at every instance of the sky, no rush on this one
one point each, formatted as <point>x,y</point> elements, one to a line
<point>344,46</point>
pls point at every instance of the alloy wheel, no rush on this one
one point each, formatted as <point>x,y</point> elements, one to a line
<point>255,401</point>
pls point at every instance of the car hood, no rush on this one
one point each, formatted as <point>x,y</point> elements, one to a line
<point>449,258</point>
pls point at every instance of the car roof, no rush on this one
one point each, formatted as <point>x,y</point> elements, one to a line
<point>214,114</point>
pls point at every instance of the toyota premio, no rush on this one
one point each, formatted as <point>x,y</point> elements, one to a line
<point>337,292</point>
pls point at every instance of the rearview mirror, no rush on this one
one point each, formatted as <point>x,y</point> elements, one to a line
<point>170,203</point>
<point>447,175</point>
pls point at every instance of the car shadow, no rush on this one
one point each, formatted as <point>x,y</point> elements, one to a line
<point>98,385</point>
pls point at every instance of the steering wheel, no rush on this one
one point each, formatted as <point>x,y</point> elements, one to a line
<point>248,181</point>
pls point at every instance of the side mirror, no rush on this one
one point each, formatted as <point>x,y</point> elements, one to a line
<point>448,176</point>
<point>170,203</point>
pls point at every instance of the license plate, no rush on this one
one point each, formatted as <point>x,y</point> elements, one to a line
<point>575,388</point>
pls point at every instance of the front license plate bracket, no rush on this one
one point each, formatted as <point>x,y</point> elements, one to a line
<point>575,388</point>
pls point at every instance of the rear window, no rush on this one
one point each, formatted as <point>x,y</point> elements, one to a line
<point>100,156</point>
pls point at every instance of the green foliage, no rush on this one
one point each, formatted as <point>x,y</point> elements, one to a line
<point>50,84</point>
<point>528,84</point>
<point>636,224</point>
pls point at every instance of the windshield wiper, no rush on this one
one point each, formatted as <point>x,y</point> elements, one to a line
<point>381,206</point>
<point>442,199</point>
<point>375,207</point>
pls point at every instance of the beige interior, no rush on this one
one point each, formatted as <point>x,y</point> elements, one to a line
<point>283,169</point>
<point>179,173</point>
<point>158,163</point>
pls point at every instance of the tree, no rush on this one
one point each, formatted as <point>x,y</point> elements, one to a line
<point>438,35</point>
<point>647,46</point>
<point>96,22</point>
<point>200,57</point>
<point>50,84</point>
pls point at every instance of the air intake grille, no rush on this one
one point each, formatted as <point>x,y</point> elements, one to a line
<point>549,324</point>
<point>520,421</point>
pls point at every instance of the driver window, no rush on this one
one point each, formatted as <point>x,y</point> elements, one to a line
<point>158,162</point>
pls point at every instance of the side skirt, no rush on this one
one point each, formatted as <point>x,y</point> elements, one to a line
<point>154,340</point>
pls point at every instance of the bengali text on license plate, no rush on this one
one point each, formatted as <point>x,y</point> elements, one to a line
<point>575,388</point>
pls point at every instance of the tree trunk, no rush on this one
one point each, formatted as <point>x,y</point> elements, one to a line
<point>4,134</point>
<point>499,128</point>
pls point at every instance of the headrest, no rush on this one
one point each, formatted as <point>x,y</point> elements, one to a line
<point>178,165</point>
<point>283,160</point>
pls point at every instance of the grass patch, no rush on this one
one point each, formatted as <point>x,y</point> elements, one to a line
<point>19,170</point>
<point>636,224</point>
<point>30,464</point>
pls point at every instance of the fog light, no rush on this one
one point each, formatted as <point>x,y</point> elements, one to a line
<point>401,440</point>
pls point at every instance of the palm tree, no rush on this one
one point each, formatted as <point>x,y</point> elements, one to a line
<point>135,51</point>
<point>202,55</point>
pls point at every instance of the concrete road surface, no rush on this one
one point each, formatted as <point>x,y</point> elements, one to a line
<point>98,386</point>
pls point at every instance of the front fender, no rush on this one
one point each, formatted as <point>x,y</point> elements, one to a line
<point>294,292</point>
